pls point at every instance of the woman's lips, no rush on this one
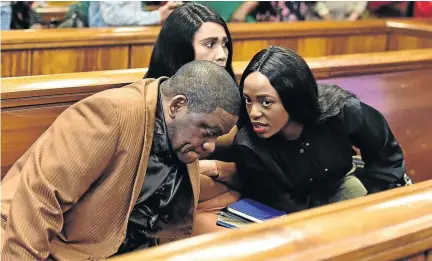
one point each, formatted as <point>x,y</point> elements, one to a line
<point>259,127</point>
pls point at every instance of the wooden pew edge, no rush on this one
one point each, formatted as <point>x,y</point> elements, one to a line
<point>399,252</point>
<point>420,29</point>
<point>148,35</point>
<point>177,248</point>
<point>32,39</point>
<point>63,90</point>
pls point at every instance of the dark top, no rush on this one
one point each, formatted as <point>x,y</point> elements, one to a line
<point>283,173</point>
<point>23,16</point>
<point>165,177</point>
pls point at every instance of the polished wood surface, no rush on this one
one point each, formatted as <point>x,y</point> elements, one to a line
<point>391,225</point>
<point>53,61</point>
<point>16,63</point>
<point>22,91</point>
<point>130,47</point>
<point>51,14</point>
<point>71,37</point>
<point>403,98</point>
<point>409,35</point>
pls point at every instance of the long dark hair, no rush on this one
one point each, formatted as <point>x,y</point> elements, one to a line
<point>292,78</point>
<point>174,47</point>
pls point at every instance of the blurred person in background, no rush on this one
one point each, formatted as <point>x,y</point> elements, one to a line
<point>6,14</point>
<point>338,10</point>
<point>127,13</point>
<point>24,16</point>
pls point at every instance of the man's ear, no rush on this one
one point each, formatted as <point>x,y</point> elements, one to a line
<point>177,104</point>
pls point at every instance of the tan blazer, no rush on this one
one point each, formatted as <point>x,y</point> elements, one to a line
<point>70,195</point>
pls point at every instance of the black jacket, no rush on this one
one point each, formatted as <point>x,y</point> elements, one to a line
<point>283,173</point>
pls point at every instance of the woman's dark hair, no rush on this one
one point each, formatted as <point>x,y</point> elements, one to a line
<point>23,16</point>
<point>292,78</point>
<point>174,47</point>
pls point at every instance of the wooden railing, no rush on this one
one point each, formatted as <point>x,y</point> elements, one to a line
<point>392,225</point>
<point>21,91</point>
<point>410,34</point>
<point>403,96</point>
<point>52,14</point>
<point>51,51</point>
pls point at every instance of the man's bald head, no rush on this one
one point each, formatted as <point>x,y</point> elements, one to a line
<point>206,85</point>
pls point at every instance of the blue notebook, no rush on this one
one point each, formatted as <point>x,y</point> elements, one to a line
<point>228,220</point>
<point>254,211</point>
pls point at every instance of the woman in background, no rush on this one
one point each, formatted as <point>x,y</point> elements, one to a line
<point>24,16</point>
<point>338,10</point>
<point>192,32</point>
<point>196,32</point>
<point>6,14</point>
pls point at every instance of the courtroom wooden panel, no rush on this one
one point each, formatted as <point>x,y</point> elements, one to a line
<point>245,50</point>
<point>407,42</point>
<point>21,128</point>
<point>88,49</point>
<point>313,46</point>
<point>410,34</point>
<point>405,101</point>
<point>15,63</point>
<point>381,227</point>
<point>357,44</point>
<point>62,60</point>
<point>319,46</point>
<point>140,55</point>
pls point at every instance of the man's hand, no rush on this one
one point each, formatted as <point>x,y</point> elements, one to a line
<point>243,10</point>
<point>354,16</point>
<point>36,26</point>
<point>238,16</point>
<point>167,9</point>
<point>327,17</point>
<point>209,168</point>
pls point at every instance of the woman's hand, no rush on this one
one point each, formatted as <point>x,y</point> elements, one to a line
<point>209,168</point>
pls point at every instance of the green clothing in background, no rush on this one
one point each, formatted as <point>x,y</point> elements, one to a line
<point>226,9</point>
<point>80,8</point>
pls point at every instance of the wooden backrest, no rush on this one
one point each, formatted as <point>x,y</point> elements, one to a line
<point>409,34</point>
<point>392,225</point>
<point>51,51</point>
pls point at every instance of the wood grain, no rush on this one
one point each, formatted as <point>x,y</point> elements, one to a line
<point>62,60</point>
<point>140,55</point>
<point>66,50</point>
<point>20,129</point>
<point>16,89</point>
<point>385,226</point>
<point>15,63</point>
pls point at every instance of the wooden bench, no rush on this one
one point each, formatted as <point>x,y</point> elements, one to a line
<point>30,104</point>
<point>410,34</point>
<point>52,51</point>
<point>391,225</point>
<point>52,14</point>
